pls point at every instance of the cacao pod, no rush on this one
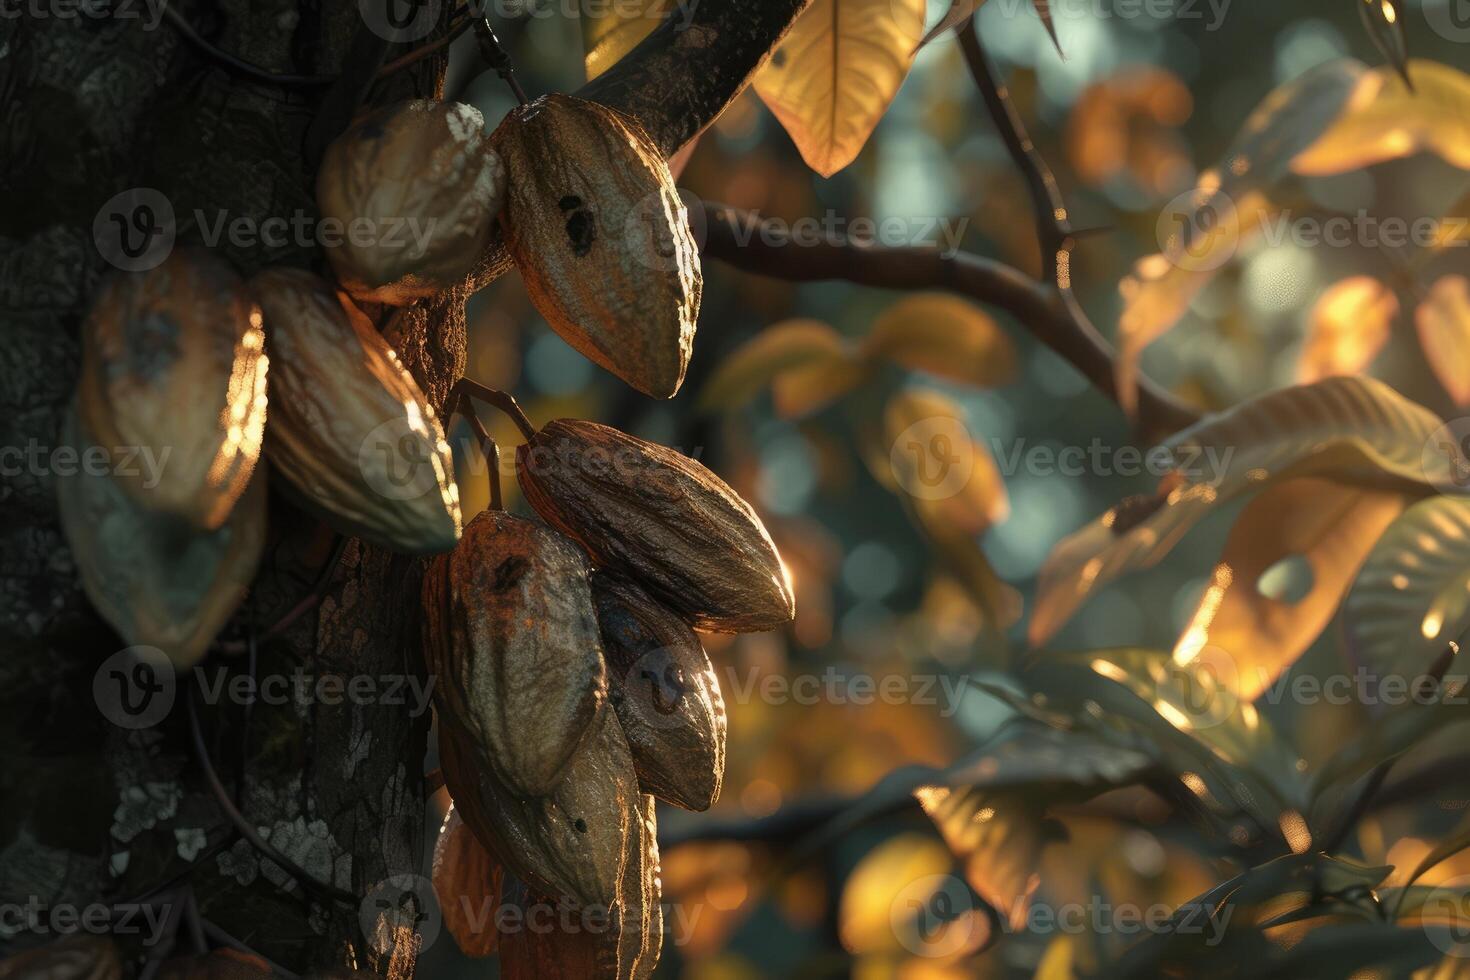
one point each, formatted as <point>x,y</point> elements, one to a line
<point>602,239</point>
<point>467,885</point>
<point>350,430</point>
<point>574,842</point>
<point>159,581</point>
<point>511,638</point>
<point>661,518</point>
<point>173,363</point>
<point>221,964</point>
<point>621,943</point>
<point>421,186</point>
<point>665,693</point>
<point>78,957</point>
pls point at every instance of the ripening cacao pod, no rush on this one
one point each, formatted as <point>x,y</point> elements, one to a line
<point>350,430</point>
<point>221,964</point>
<point>573,842</point>
<point>79,957</point>
<point>174,366</point>
<point>661,518</point>
<point>159,581</point>
<point>467,885</point>
<point>665,693</point>
<point>618,943</point>
<point>511,638</point>
<point>602,239</point>
<point>421,187</point>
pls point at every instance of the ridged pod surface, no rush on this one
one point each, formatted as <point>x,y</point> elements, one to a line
<point>173,362</point>
<point>350,430</point>
<point>662,519</point>
<point>158,580</point>
<point>601,237</point>
<point>421,185</point>
<point>665,693</point>
<point>80,957</point>
<point>511,639</point>
<point>574,842</point>
<point>621,943</point>
<point>467,886</point>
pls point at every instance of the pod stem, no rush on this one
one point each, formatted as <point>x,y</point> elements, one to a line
<point>466,408</point>
<point>501,400</point>
<point>493,53</point>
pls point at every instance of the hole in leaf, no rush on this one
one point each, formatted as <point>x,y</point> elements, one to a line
<point>1289,580</point>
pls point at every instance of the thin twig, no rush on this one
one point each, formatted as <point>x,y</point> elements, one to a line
<point>745,241</point>
<point>466,408</point>
<point>219,937</point>
<point>222,797</point>
<point>499,399</point>
<point>304,605</point>
<point>494,54</point>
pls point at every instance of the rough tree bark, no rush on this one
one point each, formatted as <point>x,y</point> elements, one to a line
<point>90,812</point>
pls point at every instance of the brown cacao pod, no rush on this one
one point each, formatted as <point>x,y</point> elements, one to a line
<point>80,957</point>
<point>173,363</point>
<point>661,518</point>
<point>574,842</point>
<point>221,964</point>
<point>511,638</point>
<point>556,939</point>
<point>665,693</point>
<point>422,186</point>
<point>467,885</point>
<point>350,430</point>
<point>159,581</point>
<point>602,239</point>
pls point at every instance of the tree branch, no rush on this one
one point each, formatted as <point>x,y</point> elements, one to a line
<point>746,242</point>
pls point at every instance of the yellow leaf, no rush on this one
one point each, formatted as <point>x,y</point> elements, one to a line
<point>1315,529</point>
<point>998,839</point>
<point>1348,326</point>
<point>1443,321</point>
<point>834,75</point>
<point>898,877</point>
<point>1413,595</point>
<point>930,455</point>
<point>1201,230</point>
<point>1344,426</point>
<point>805,361</point>
<point>1386,121</point>
<point>1056,962</point>
<point>610,31</point>
<point>946,336</point>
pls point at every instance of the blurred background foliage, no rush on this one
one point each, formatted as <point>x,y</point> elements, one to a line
<point>1128,119</point>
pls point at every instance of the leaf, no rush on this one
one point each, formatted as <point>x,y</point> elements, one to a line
<point>1347,427</point>
<point>1443,321</point>
<point>1384,21</point>
<point>789,349</point>
<point>928,454</point>
<point>1344,950</point>
<point>835,73</point>
<point>1205,227</point>
<point>906,878</point>
<point>1387,121</point>
<point>1413,594</point>
<point>1250,637</point>
<point>943,335</point>
<point>1348,326</point>
<point>1442,852</point>
<point>610,31</point>
<point>1043,10</point>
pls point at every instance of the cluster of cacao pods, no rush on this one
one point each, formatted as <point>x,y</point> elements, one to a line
<point>572,689</point>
